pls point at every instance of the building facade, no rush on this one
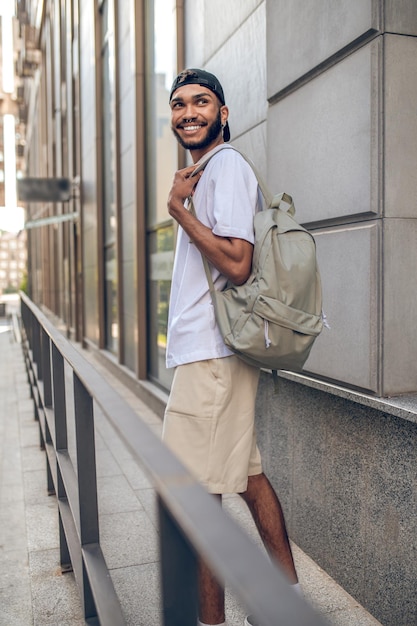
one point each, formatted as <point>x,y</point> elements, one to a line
<point>322,97</point>
<point>13,253</point>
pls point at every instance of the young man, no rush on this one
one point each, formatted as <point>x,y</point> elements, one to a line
<point>209,420</point>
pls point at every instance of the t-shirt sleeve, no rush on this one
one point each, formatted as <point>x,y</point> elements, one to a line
<point>233,196</point>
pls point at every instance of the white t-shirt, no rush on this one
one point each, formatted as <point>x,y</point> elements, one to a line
<point>226,199</point>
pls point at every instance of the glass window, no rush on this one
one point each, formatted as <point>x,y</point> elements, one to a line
<point>161,244</point>
<point>162,155</point>
<point>108,175</point>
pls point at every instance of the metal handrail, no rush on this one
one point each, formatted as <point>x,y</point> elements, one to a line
<point>191,522</point>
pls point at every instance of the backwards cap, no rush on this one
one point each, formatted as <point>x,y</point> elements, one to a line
<point>205,79</point>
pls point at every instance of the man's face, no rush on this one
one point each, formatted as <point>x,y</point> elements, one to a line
<point>197,117</point>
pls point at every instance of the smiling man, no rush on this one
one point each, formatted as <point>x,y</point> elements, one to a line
<point>191,127</point>
<point>209,419</point>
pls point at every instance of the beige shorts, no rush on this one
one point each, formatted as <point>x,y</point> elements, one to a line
<point>209,422</point>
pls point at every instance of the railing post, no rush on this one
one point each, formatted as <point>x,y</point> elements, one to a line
<point>46,368</point>
<point>86,462</point>
<point>64,554</point>
<point>45,361</point>
<point>36,348</point>
<point>58,390</point>
<point>61,442</point>
<point>87,479</point>
<point>178,573</point>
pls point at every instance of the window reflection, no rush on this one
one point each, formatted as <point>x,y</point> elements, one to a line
<point>161,262</point>
<point>163,159</point>
<point>108,173</point>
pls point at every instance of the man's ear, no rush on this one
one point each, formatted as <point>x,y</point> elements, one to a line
<point>224,113</point>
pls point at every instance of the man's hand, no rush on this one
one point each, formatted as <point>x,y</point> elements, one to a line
<point>230,255</point>
<point>182,187</point>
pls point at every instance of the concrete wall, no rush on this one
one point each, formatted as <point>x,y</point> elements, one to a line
<point>336,84</point>
<point>332,136</point>
<point>345,473</point>
<point>234,48</point>
<point>322,96</point>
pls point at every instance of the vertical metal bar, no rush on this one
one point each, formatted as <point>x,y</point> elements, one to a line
<point>36,340</point>
<point>86,462</point>
<point>49,480</point>
<point>48,438</point>
<point>65,558</point>
<point>87,480</point>
<point>61,443</point>
<point>46,368</point>
<point>58,391</point>
<point>28,326</point>
<point>25,318</point>
<point>30,316</point>
<point>178,573</point>
<point>36,415</point>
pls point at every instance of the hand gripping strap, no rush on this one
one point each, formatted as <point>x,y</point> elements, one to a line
<point>270,200</point>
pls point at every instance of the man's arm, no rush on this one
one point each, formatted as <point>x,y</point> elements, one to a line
<point>230,255</point>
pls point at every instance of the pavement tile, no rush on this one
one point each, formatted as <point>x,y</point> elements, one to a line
<point>139,591</point>
<point>15,589</point>
<point>128,539</point>
<point>33,459</point>
<point>55,595</point>
<point>14,564</point>
<point>134,474</point>
<point>106,464</point>
<point>99,441</point>
<point>12,527</point>
<point>25,408</point>
<point>16,612</point>
<point>351,617</point>
<point>29,434</point>
<point>147,497</point>
<point>42,525</point>
<point>116,495</point>
<point>10,492</point>
<point>35,483</point>
<point>10,467</point>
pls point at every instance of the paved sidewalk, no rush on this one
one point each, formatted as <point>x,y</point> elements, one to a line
<point>32,589</point>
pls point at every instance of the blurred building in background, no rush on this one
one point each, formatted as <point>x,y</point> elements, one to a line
<point>12,133</point>
<point>12,262</point>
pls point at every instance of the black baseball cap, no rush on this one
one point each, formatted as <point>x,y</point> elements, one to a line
<point>205,79</point>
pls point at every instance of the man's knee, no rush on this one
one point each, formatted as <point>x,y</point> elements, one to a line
<point>253,484</point>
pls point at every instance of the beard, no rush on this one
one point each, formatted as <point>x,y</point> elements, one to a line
<point>213,131</point>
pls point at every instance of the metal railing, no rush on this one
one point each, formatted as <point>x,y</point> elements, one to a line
<point>191,523</point>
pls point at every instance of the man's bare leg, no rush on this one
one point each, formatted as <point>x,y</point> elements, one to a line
<point>211,596</point>
<point>268,516</point>
<point>267,513</point>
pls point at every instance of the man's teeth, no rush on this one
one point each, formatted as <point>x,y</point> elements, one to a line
<point>191,127</point>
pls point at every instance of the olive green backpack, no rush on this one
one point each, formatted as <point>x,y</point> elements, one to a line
<point>273,319</point>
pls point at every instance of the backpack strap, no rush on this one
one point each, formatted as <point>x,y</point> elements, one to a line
<point>270,200</point>
<point>191,209</point>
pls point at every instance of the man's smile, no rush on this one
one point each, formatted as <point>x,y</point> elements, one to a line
<point>191,127</point>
